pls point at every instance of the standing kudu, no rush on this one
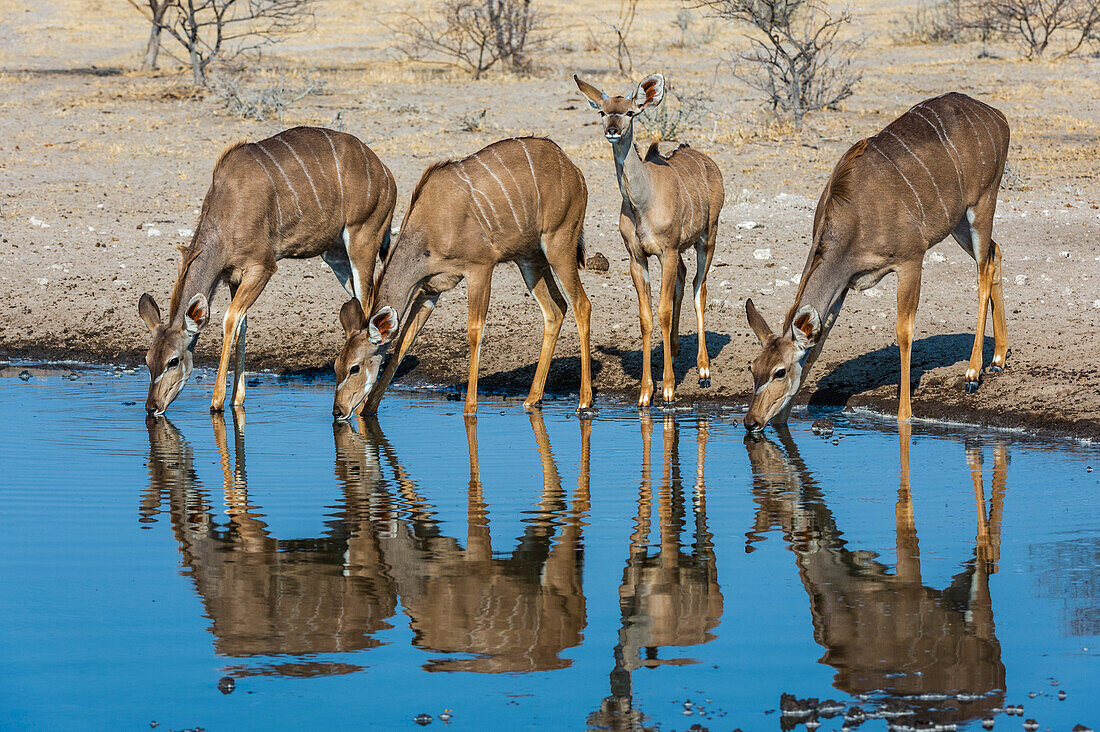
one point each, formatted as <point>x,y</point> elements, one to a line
<point>669,204</point>
<point>519,200</point>
<point>933,171</point>
<point>302,193</point>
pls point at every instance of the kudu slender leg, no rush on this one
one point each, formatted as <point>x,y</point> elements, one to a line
<point>479,288</point>
<point>704,256</point>
<point>678,300</point>
<point>562,254</point>
<point>908,297</point>
<point>997,303</point>
<point>238,365</point>
<point>370,404</point>
<point>247,292</point>
<point>669,275</point>
<point>639,272</point>
<point>985,255</point>
<point>540,281</point>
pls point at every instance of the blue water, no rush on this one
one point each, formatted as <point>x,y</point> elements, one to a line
<point>270,571</point>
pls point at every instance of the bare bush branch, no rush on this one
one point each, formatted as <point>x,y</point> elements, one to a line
<point>474,35</point>
<point>614,40</point>
<point>266,102</point>
<point>1035,25</point>
<point>940,21</point>
<point>210,30</point>
<point>797,61</point>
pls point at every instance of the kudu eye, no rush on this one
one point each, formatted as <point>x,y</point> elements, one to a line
<point>354,369</point>
<point>779,373</point>
<point>173,362</point>
<point>603,113</point>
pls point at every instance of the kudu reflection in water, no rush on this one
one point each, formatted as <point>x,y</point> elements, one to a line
<point>669,597</point>
<point>912,647</point>
<point>267,596</point>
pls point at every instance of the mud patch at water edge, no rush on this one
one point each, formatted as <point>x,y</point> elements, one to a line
<point>271,569</point>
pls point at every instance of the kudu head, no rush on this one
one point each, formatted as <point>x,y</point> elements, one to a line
<point>358,364</point>
<point>618,113</point>
<point>777,369</point>
<point>170,356</point>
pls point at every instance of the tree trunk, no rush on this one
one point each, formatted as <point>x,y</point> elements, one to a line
<point>152,48</point>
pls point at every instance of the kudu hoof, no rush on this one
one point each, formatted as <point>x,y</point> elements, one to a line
<point>995,369</point>
<point>971,387</point>
<point>704,383</point>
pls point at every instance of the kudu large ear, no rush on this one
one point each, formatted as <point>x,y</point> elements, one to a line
<point>650,91</point>
<point>594,95</point>
<point>352,317</point>
<point>149,312</point>
<point>383,326</point>
<point>197,314</point>
<point>806,327</point>
<point>757,323</point>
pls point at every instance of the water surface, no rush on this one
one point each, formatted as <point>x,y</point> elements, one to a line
<point>273,570</point>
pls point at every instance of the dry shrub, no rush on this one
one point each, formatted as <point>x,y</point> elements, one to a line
<point>679,112</point>
<point>474,35</point>
<point>267,100</point>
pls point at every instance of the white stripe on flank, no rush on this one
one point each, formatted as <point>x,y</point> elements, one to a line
<point>534,179</point>
<point>905,178</point>
<point>926,170</point>
<point>519,190</point>
<point>561,178</point>
<point>366,157</point>
<point>473,194</point>
<point>308,176</point>
<point>945,141</point>
<point>339,178</point>
<point>502,188</point>
<point>289,185</point>
<point>992,142</point>
<point>977,137</point>
<point>993,115</point>
<point>687,194</point>
<point>320,168</point>
<point>278,208</point>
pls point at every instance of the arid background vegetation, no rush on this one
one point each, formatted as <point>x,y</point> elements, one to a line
<point>103,166</point>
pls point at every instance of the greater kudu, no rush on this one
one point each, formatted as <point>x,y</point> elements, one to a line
<point>669,203</point>
<point>519,200</point>
<point>933,171</point>
<point>305,192</point>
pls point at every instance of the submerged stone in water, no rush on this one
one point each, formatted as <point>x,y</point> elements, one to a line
<point>1031,725</point>
<point>226,685</point>
<point>1061,696</point>
<point>25,375</point>
<point>988,723</point>
<point>822,426</point>
<point>423,719</point>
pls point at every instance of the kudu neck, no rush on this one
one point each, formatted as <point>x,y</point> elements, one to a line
<point>634,182</point>
<point>404,274</point>
<point>200,276</point>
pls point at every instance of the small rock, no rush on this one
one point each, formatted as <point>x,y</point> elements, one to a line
<point>186,232</point>
<point>1061,696</point>
<point>423,719</point>
<point>762,254</point>
<point>1064,254</point>
<point>1032,694</point>
<point>1021,279</point>
<point>872,292</point>
<point>226,685</point>
<point>42,281</point>
<point>1081,728</point>
<point>988,723</point>
<point>445,716</point>
<point>750,225</point>
<point>25,375</point>
<point>822,426</point>
<point>936,257</point>
<point>597,263</point>
<point>1031,725</point>
<point>152,232</point>
<point>154,724</point>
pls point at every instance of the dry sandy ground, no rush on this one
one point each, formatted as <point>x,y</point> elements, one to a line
<point>102,170</point>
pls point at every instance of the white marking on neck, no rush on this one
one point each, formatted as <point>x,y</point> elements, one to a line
<point>309,178</point>
<point>346,235</point>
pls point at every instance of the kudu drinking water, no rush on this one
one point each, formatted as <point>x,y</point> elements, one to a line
<point>302,193</point>
<point>670,203</point>
<point>933,171</point>
<point>520,200</point>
